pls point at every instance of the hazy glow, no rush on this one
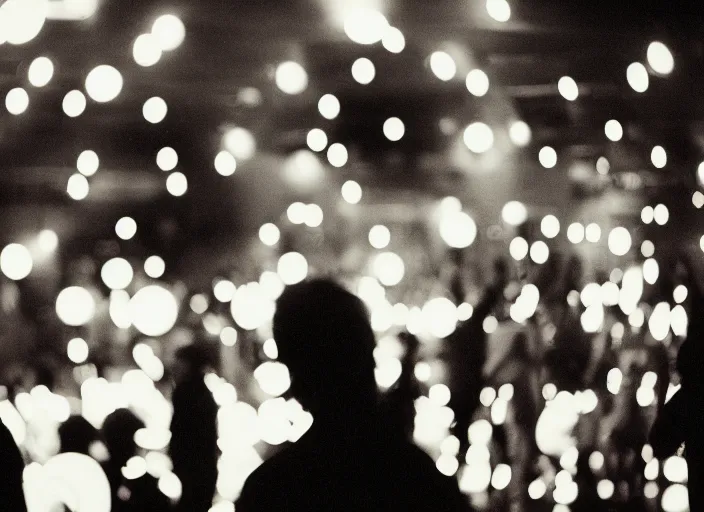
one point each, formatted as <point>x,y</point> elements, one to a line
<point>177,184</point>
<point>389,268</point>
<point>659,157</point>
<point>117,273</point>
<point>500,10</point>
<point>169,32</point>
<point>104,84</point>
<point>155,110</point>
<point>167,159</point>
<point>393,40</point>
<point>317,140</point>
<point>291,78</point>
<point>329,106</point>
<point>17,101</point>
<point>75,306</point>
<point>126,228</point>
<point>153,310</point>
<point>394,129</point>
<point>660,58</point>
<point>337,155</point>
<point>292,268</point>
<point>363,71</point>
<point>613,130</point>
<point>568,88</point>
<point>620,241</point>
<point>88,163</point>
<point>547,157</point>
<point>603,166</point>
<point>48,240</point>
<point>479,138</point>
<point>637,76</point>
<point>16,262</point>
<point>365,26</point>
<point>40,71</point>
<point>240,143</point>
<point>518,248</point>
<point>443,66</point>
<point>458,230</point>
<point>514,213</point>
<point>520,133</point>
<point>477,82</point>
<point>146,50</point>
<point>74,103</point>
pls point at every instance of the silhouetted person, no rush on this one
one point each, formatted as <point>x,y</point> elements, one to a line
<point>140,493</point>
<point>350,460</point>
<point>11,469</point>
<point>76,435</point>
<point>193,447</point>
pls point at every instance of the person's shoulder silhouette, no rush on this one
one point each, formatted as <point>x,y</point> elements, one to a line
<point>349,459</point>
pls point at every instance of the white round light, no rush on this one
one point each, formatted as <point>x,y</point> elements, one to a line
<point>117,273</point>
<point>575,233</point>
<point>393,40</point>
<point>389,268</point>
<point>647,215</point>
<point>363,71</point>
<point>365,26</point>
<point>479,138</point>
<point>296,213</point>
<point>169,32</point>
<point>329,106</point>
<point>520,134</point>
<point>593,233</point>
<point>155,110</point>
<point>500,10</point>
<point>637,76</point>
<point>77,187</point>
<point>518,248</point>
<point>251,307</point>
<point>647,248</point>
<point>74,103</point>
<point>16,262</point>
<point>458,230</point>
<point>269,234</point>
<point>291,78</point>
<point>659,157</point>
<point>314,216</point>
<point>603,166</point>
<point>22,20</point>
<point>292,268</point>
<point>477,83</point>
<point>337,155</point>
<point>620,241</point>
<point>75,306</point>
<point>177,184</point>
<point>539,252</point>
<point>394,129</point>
<point>660,58</point>
<point>240,142</point>
<point>225,163</point>
<point>88,163</point>
<point>661,214</point>
<point>17,101</point>
<point>443,66</point>
<point>698,197</point>
<point>351,192</point>
<point>550,226</point>
<point>126,228</point>
<point>146,50</point>
<point>228,336</point>
<point>568,88</point>
<point>439,317</point>
<point>317,140</point>
<point>104,84</point>
<point>547,157</point>
<point>379,237</point>
<point>154,267</point>
<point>224,290</point>
<point>613,130</point>
<point>167,159</point>
<point>77,350</point>
<point>153,310</point>
<point>48,240</point>
<point>514,213</point>
<point>40,71</point>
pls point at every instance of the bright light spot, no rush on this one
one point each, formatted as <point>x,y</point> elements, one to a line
<point>550,226</point>
<point>506,392</point>
<point>651,490</point>
<point>48,240</point>
<point>153,310</point>
<point>314,216</point>
<point>394,129</point>
<point>647,453</point>
<point>610,294</point>
<point>520,134</point>
<point>647,215</point>
<point>614,379</point>
<point>126,228</point>
<point>439,394</point>
<point>637,76</point>
<point>547,157</point>
<point>620,241</point>
<point>603,166</point>
<point>679,321</point>
<point>613,130</point>
<point>252,307</point>
<point>447,465</point>
<point>439,317</point>
<point>389,268</point>
<point>500,10</point>
<point>270,349</point>
<point>74,103</point>
<point>224,290</point>
<point>518,248</point>
<point>537,489</point>
<point>593,318</point>
<point>568,88</point>
<point>365,26</point>
<point>490,324</point>
<point>337,155</point>
<point>40,71</point>
<point>501,477</point>
<point>16,262</point>
<point>593,233</point>
<point>269,234</point>
<point>17,101</point>
<point>651,271</point>
<point>596,461</point>
<point>296,213</point>
<point>363,71</point>
<point>117,274</point>
<point>487,396</point>
<point>443,66</point>
<point>636,318</point>
<point>680,294</point>
<point>88,163</point>
<point>77,350</point>
<point>240,142</point>
<point>458,230</point>
<point>549,391</point>
<point>317,140</point>
<point>291,78</point>
<point>477,82</point>
<point>146,50</point>
<point>479,138</point>
<point>660,321</point>
<point>480,433</point>
<point>387,372</point>
<point>605,489</point>
<point>154,267</point>
<point>464,312</point>
<point>22,20</point>
<point>514,213</point>
<point>273,378</point>
<point>329,106</point>
<point>177,184</point>
<point>228,336</point>
<point>167,159</point>
<point>675,499</point>
<point>75,306</point>
<point>422,372</point>
<point>591,294</point>
<point>199,304</point>
<point>659,157</point>
<point>104,84</point>
<point>379,237</point>
<point>698,197</point>
<point>351,192</point>
<point>77,187</point>
<point>393,40</point>
<point>675,470</point>
<point>292,268</point>
<point>661,214</point>
<point>645,396</point>
<point>169,31</point>
<point>170,485</point>
<point>154,110</point>
<point>660,58</point>
<point>539,252</point>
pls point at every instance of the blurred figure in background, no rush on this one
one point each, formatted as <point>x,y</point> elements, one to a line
<point>193,448</point>
<point>76,435</point>
<point>138,492</point>
<point>11,490</point>
<point>350,459</point>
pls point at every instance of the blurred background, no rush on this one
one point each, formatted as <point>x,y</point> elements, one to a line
<point>168,166</point>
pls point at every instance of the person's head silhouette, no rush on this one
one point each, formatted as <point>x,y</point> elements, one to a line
<point>325,338</point>
<point>76,435</point>
<point>119,429</point>
<point>191,362</point>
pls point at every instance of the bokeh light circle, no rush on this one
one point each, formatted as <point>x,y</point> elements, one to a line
<point>154,267</point>
<point>177,184</point>
<point>74,103</point>
<point>155,110</point>
<point>329,106</point>
<point>351,192</point>
<point>479,137</point>
<point>75,306</point>
<point>547,157</point>
<point>17,101</point>
<point>40,71</point>
<point>363,71</point>
<point>126,228</point>
<point>292,268</point>
<point>620,241</point>
<point>153,310</point>
<point>117,273</point>
<point>104,84</point>
<point>291,78</point>
<point>169,32</point>
<point>88,163</point>
<point>16,262</point>
<point>225,163</point>
<point>458,230</point>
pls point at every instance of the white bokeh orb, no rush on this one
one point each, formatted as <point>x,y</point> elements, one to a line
<point>478,137</point>
<point>658,156</point>
<point>225,163</point>
<point>637,76</point>
<point>104,84</point>
<point>379,237</point>
<point>443,66</point>
<point>16,262</point>
<point>550,226</point>
<point>337,155</point>
<point>458,230</point>
<point>117,273</point>
<point>240,142</point>
<point>393,40</point>
<point>169,31</point>
<point>365,26</point>
<point>518,248</point>
<point>88,163</point>
<point>153,310</point>
<point>154,110</point>
<point>154,267</point>
<point>547,157</point>
<point>620,241</point>
<point>477,83</point>
<point>22,20</point>
<point>251,307</point>
<point>40,71</point>
<point>291,78</point>
<point>660,58</point>
<point>74,103</point>
<point>514,213</point>
<point>292,268</point>
<point>394,129</point>
<point>539,252</point>
<point>167,159</point>
<point>329,106</point>
<point>77,187</point>
<point>389,268</point>
<point>613,130</point>
<point>363,71</point>
<point>269,234</point>
<point>177,184</point>
<point>17,101</point>
<point>126,228</point>
<point>499,10</point>
<point>75,306</point>
<point>146,50</point>
<point>568,88</point>
<point>351,192</point>
<point>77,350</point>
<point>520,133</point>
<point>439,317</point>
<point>317,140</point>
